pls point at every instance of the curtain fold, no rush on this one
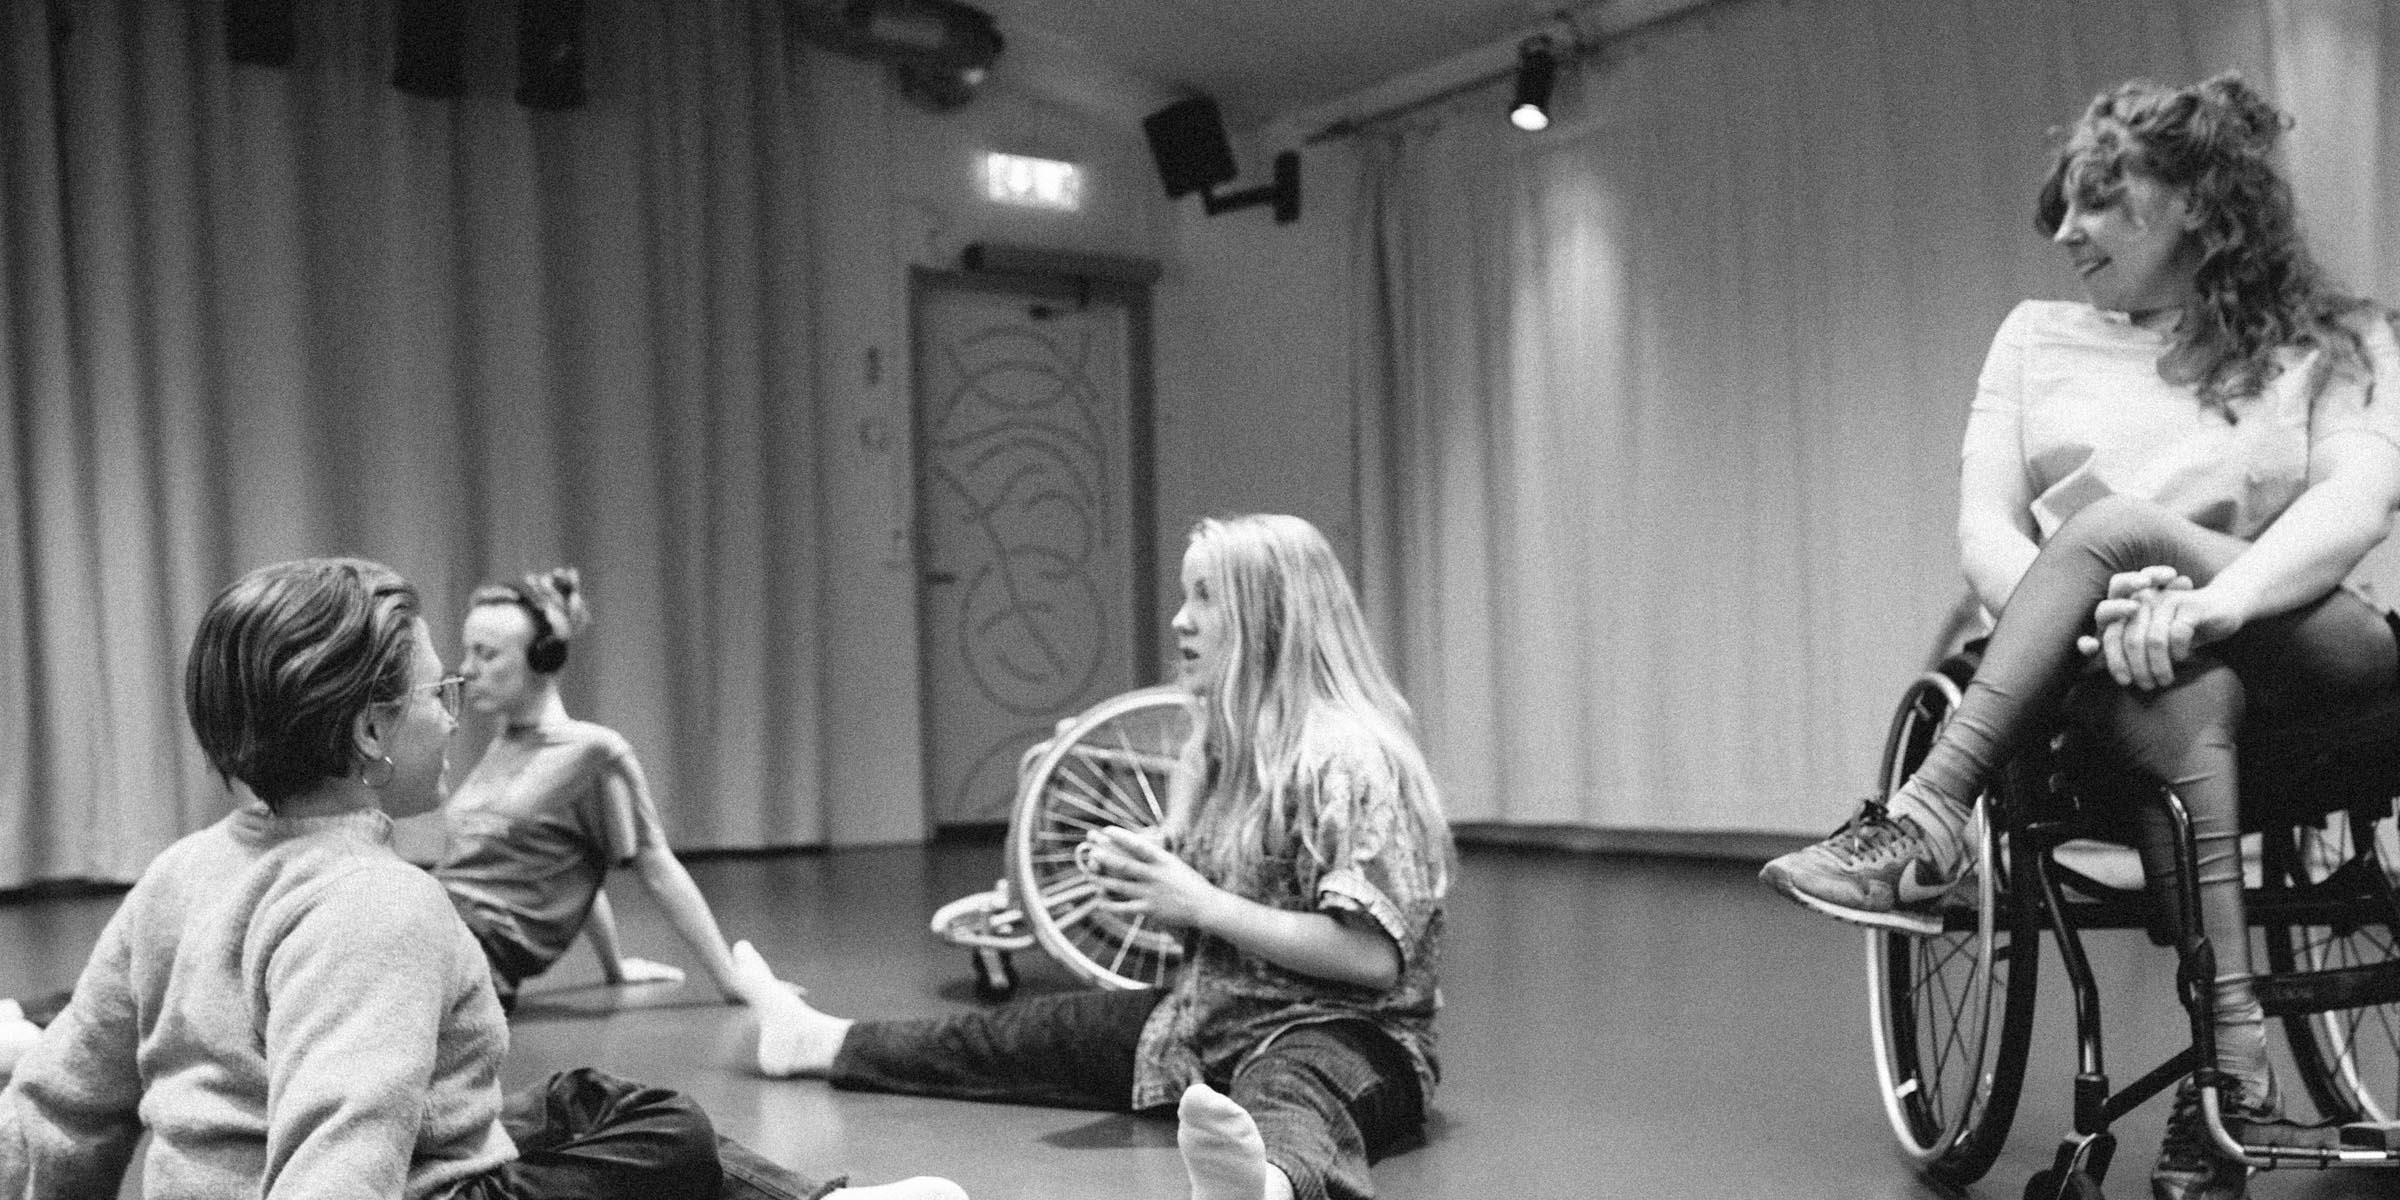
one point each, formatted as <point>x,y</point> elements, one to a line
<point>1660,410</point>
<point>252,313</point>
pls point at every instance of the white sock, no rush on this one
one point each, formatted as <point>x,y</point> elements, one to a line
<point>793,1039</point>
<point>1222,1151</point>
<point>1943,821</point>
<point>922,1187</point>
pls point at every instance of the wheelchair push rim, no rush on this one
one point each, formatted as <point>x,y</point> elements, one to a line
<point>1951,1013</point>
<point>1108,768</point>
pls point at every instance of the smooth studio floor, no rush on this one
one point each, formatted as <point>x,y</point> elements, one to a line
<point>1655,1028</point>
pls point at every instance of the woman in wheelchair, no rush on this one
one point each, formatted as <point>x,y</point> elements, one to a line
<point>2162,493</point>
<point>1305,858</point>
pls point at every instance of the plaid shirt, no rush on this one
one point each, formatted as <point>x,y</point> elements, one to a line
<point>1227,1005</point>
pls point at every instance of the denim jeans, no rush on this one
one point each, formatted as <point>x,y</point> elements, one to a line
<point>1328,1098</point>
<point>588,1135</point>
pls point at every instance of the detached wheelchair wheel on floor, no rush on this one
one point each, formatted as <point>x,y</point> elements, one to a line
<point>2348,1059</point>
<point>1108,767</point>
<point>1953,1012</point>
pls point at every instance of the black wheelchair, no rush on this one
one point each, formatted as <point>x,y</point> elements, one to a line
<point>1953,1012</point>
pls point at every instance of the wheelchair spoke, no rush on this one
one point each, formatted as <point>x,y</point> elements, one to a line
<point>1099,784</point>
<point>1158,812</point>
<point>1082,795</point>
<point>1068,890</point>
<point>1068,790</point>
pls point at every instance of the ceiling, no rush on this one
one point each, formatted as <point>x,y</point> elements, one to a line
<point>1265,60</point>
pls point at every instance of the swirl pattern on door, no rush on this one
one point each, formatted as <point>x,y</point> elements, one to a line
<point>1024,514</point>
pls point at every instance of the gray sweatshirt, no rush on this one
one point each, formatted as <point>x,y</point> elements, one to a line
<point>289,1008</point>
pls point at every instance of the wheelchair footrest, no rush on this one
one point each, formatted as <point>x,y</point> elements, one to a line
<point>2278,1143</point>
<point>2371,1135</point>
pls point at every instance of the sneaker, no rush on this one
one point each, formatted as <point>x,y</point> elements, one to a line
<point>2189,1166</point>
<point>1876,870</point>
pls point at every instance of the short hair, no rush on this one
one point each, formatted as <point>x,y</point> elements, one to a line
<point>285,660</point>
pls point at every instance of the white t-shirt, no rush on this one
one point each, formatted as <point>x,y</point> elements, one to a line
<point>2071,394</point>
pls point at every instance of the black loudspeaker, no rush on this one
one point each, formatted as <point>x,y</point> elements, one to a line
<point>261,32</point>
<point>550,54</point>
<point>547,651</point>
<point>1188,140</point>
<point>429,47</point>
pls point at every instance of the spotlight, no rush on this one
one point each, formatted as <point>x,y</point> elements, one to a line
<point>1537,72</point>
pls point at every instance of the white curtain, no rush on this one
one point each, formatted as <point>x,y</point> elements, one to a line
<point>253,313</point>
<point>1660,410</point>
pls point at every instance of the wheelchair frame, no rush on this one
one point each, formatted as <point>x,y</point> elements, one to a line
<point>1953,1012</point>
<point>1106,766</point>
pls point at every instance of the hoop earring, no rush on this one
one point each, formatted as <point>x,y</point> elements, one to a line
<point>389,770</point>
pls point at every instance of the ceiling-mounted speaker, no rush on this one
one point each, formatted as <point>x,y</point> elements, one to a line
<point>1187,139</point>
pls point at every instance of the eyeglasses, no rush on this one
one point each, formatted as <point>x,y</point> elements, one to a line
<point>450,689</point>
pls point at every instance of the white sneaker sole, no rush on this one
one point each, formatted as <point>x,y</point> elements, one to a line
<point>1918,924</point>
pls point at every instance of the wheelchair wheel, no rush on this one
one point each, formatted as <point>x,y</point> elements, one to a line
<point>2348,1059</point>
<point>1108,767</point>
<point>1953,1012</point>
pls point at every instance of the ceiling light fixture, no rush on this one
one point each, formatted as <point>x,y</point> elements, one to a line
<point>1537,74</point>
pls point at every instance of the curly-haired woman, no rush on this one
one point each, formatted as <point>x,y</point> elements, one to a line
<point>2171,482</point>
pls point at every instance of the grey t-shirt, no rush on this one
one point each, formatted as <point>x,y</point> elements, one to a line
<point>534,830</point>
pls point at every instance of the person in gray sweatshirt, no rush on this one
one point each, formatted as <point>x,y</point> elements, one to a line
<point>291,1009</point>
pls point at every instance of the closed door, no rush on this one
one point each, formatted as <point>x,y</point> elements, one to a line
<point>1027,526</point>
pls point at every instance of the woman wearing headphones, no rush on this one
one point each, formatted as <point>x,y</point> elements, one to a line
<point>554,804</point>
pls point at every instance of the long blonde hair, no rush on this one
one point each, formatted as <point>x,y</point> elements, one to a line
<point>1300,656</point>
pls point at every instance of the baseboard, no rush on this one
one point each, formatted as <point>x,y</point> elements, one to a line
<point>1745,845</point>
<point>63,889</point>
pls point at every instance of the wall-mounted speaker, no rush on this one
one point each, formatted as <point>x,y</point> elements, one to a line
<point>1187,138</point>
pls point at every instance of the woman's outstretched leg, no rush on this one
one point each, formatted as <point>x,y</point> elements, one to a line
<point>1892,867</point>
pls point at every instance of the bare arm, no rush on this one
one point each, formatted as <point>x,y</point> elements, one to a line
<point>2320,539</point>
<point>687,912</point>
<point>1347,948</point>
<point>2307,552</point>
<point>600,929</point>
<point>1996,530</point>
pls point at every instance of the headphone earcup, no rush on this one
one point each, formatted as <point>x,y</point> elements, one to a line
<point>546,653</point>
